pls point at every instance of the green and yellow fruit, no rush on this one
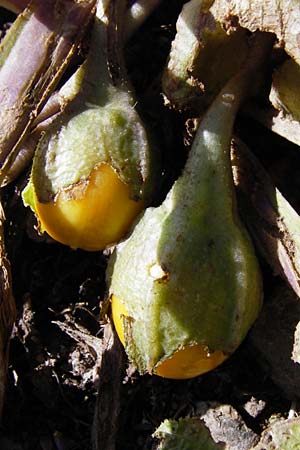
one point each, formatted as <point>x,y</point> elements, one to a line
<point>93,169</point>
<point>185,286</point>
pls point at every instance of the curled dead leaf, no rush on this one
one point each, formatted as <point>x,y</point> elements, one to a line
<point>281,17</point>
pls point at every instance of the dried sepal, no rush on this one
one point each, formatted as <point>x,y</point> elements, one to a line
<point>281,17</point>
<point>284,116</point>
<point>273,223</point>
<point>284,90</point>
<point>203,57</point>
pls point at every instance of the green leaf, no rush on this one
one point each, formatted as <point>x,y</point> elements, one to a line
<point>185,434</point>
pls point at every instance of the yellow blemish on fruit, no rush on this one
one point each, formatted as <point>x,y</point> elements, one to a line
<point>92,215</point>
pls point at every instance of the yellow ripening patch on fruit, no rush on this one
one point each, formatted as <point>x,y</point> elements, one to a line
<point>118,311</point>
<point>188,362</point>
<point>91,215</point>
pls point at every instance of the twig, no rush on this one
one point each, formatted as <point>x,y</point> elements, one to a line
<point>105,426</point>
<point>7,309</point>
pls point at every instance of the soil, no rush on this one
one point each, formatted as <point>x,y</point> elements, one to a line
<point>69,385</point>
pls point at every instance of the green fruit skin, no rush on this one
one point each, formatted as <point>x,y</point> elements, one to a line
<point>208,289</point>
<point>76,143</point>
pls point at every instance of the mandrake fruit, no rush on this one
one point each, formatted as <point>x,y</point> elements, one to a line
<point>93,169</point>
<point>185,287</point>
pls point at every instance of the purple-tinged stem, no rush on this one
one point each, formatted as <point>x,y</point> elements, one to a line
<point>33,56</point>
<point>16,6</point>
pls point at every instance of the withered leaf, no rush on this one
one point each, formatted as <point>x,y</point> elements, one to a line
<point>281,17</point>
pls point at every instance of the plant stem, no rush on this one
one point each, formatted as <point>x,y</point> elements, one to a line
<point>215,135</point>
<point>34,54</point>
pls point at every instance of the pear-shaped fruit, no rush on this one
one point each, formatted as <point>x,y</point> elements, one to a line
<point>186,285</point>
<point>92,172</point>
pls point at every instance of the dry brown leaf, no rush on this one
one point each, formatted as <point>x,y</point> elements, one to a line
<point>274,224</point>
<point>281,17</point>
